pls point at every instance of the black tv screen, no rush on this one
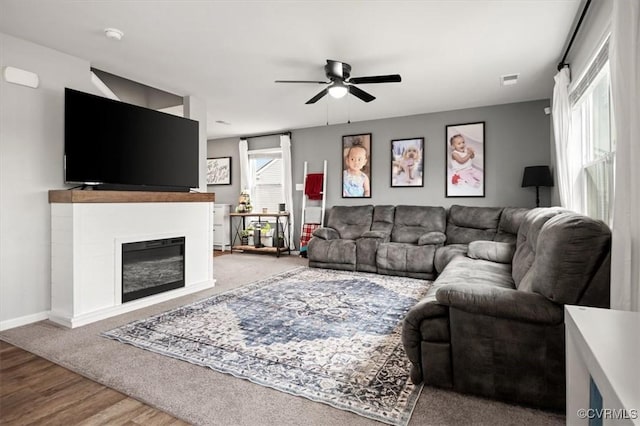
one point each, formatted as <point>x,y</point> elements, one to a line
<point>115,145</point>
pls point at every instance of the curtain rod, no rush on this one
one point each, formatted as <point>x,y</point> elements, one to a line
<point>268,134</point>
<point>562,63</point>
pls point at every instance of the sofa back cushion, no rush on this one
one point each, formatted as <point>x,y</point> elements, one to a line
<point>570,250</point>
<point>350,221</point>
<point>510,221</point>
<point>411,222</point>
<point>565,251</point>
<point>466,224</point>
<point>526,241</point>
<point>383,218</point>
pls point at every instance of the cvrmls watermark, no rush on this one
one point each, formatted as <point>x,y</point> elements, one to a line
<point>608,413</point>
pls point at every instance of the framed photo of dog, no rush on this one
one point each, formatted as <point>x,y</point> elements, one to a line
<point>465,160</point>
<point>407,162</point>
<point>356,166</point>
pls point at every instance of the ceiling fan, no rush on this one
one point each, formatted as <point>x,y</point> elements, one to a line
<point>340,83</point>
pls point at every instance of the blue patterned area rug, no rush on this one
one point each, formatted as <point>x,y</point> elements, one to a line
<point>329,336</point>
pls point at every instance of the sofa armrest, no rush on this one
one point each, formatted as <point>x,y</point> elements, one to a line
<point>419,317</point>
<point>433,237</point>
<point>381,235</point>
<point>500,302</point>
<point>326,233</point>
<point>491,250</point>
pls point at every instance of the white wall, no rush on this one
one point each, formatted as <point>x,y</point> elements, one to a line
<point>196,109</point>
<point>31,151</point>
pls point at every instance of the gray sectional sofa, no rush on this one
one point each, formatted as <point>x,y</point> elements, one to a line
<point>392,240</point>
<point>492,323</point>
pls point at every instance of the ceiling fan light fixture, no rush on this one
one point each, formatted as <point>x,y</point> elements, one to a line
<point>338,90</point>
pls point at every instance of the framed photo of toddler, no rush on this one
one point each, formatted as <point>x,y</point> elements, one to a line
<point>407,161</point>
<point>465,160</point>
<point>356,166</point>
<point>219,171</point>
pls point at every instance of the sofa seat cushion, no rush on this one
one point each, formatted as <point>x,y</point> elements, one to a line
<point>332,251</point>
<point>406,260</point>
<point>464,270</point>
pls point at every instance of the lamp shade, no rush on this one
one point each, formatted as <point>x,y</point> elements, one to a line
<point>338,90</point>
<point>537,176</point>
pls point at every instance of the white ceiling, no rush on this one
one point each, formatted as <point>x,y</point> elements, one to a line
<point>450,54</point>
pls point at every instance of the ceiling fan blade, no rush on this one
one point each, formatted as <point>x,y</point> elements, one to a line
<point>317,97</point>
<point>391,78</point>
<point>302,81</point>
<point>361,94</point>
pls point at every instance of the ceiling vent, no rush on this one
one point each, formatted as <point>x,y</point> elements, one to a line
<point>509,79</point>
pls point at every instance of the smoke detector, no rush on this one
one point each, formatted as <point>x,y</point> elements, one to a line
<point>113,33</point>
<point>509,79</point>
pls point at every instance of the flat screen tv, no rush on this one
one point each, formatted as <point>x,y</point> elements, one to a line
<point>114,145</point>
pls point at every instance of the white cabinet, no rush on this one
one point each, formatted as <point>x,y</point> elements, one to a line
<point>602,350</point>
<point>221,226</point>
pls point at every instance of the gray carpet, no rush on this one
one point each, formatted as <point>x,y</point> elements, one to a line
<point>205,397</point>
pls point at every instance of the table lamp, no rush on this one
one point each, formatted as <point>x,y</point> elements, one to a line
<point>537,176</point>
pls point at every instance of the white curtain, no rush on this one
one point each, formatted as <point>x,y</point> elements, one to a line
<point>285,145</point>
<point>245,173</point>
<point>567,169</point>
<point>625,76</point>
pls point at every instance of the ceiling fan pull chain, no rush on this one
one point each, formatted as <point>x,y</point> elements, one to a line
<point>327,104</point>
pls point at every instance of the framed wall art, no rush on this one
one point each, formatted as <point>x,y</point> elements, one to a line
<point>407,162</point>
<point>219,171</point>
<point>356,166</point>
<point>465,175</point>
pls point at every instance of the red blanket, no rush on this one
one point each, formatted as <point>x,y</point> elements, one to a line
<point>313,186</point>
<point>307,231</point>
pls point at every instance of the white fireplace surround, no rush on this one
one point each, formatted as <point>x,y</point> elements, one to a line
<point>86,252</point>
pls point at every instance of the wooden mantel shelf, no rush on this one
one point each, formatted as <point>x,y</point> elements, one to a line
<point>80,196</point>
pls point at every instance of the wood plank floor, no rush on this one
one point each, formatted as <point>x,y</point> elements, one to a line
<point>36,391</point>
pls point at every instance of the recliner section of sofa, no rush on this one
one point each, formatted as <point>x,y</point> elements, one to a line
<point>334,245</point>
<point>399,240</point>
<point>466,224</point>
<point>504,318</point>
<point>416,234</point>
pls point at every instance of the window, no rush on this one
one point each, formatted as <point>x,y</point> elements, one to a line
<point>592,123</point>
<point>267,176</point>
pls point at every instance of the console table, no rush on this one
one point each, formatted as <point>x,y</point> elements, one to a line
<point>602,348</point>
<point>282,226</point>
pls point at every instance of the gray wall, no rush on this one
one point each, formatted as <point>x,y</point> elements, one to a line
<point>31,155</point>
<point>516,135</point>
<point>31,150</point>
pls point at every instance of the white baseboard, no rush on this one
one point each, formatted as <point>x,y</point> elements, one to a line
<point>27,319</point>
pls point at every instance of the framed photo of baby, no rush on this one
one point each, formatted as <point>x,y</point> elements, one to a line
<point>356,166</point>
<point>465,160</point>
<point>407,160</point>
